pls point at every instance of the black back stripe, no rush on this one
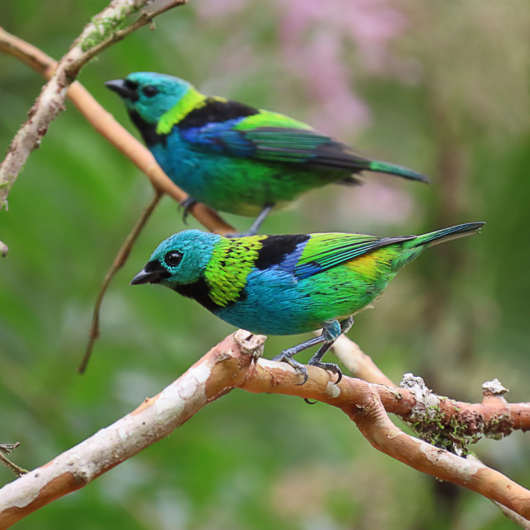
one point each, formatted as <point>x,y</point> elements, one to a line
<point>275,248</point>
<point>215,111</point>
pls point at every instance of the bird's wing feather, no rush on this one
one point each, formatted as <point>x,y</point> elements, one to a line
<point>325,251</point>
<point>270,136</point>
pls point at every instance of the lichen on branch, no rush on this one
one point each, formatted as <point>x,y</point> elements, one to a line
<point>96,36</point>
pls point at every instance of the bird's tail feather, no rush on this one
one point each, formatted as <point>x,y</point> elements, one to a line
<point>445,234</point>
<point>393,169</point>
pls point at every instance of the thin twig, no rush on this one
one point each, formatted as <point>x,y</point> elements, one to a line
<point>117,264</point>
<point>6,449</point>
<point>145,18</point>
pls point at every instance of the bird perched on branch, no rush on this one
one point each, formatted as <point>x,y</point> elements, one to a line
<point>288,284</point>
<point>232,157</point>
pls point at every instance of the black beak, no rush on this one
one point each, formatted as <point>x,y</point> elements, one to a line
<point>122,88</point>
<point>153,272</point>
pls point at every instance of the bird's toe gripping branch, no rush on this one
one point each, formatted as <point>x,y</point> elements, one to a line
<point>330,333</point>
<point>287,357</point>
<point>187,204</point>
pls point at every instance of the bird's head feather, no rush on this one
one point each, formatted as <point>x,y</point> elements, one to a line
<point>150,94</point>
<point>179,260</point>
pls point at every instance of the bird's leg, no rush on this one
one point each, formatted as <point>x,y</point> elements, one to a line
<point>287,356</point>
<point>187,204</point>
<point>331,333</point>
<point>256,224</point>
<point>346,325</point>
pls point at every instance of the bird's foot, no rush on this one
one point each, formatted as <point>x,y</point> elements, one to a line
<point>187,204</point>
<point>330,367</point>
<point>286,357</point>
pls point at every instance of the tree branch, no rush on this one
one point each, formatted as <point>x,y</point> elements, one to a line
<point>109,128</point>
<point>235,363</point>
<point>145,18</point>
<point>358,363</point>
<point>50,103</point>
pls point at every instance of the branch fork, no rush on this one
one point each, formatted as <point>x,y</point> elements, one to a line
<point>236,363</point>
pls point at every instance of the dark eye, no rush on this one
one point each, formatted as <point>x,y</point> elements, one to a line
<point>173,258</point>
<point>150,91</point>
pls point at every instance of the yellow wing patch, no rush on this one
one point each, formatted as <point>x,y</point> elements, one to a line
<point>370,264</point>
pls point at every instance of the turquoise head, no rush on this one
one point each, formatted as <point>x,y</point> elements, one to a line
<point>150,95</point>
<point>179,260</point>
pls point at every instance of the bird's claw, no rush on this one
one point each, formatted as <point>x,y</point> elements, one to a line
<point>285,357</point>
<point>330,367</point>
<point>187,204</point>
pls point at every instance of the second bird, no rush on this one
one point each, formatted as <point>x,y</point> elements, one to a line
<point>287,285</point>
<point>233,157</point>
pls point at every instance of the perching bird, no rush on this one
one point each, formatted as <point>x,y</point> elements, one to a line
<point>289,284</point>
<point>232,157</point>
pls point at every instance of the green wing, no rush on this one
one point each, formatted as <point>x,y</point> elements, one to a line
<point>325,251</point>
<point>279,138</point>
<point>231,128</point>
<point>266,136</point>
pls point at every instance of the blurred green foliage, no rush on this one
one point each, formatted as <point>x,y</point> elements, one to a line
<point>446,92</point>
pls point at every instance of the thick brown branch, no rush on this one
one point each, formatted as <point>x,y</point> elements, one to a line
<point>233,364</point>
<point>218,372</point>
<point>109,128</point>
<point>50,101</point>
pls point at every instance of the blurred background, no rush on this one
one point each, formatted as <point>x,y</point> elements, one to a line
<point>439,86</point>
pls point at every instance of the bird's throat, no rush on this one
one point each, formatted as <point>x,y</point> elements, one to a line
<point>147,130</point>
<point>198,291</point>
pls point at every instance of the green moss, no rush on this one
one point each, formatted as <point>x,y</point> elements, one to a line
<point>454,436</point>
<point>104,27</point>
<point>450,436</point>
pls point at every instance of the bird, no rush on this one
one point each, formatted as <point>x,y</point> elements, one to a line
<point>232,157</point>
<point>288,284</point>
